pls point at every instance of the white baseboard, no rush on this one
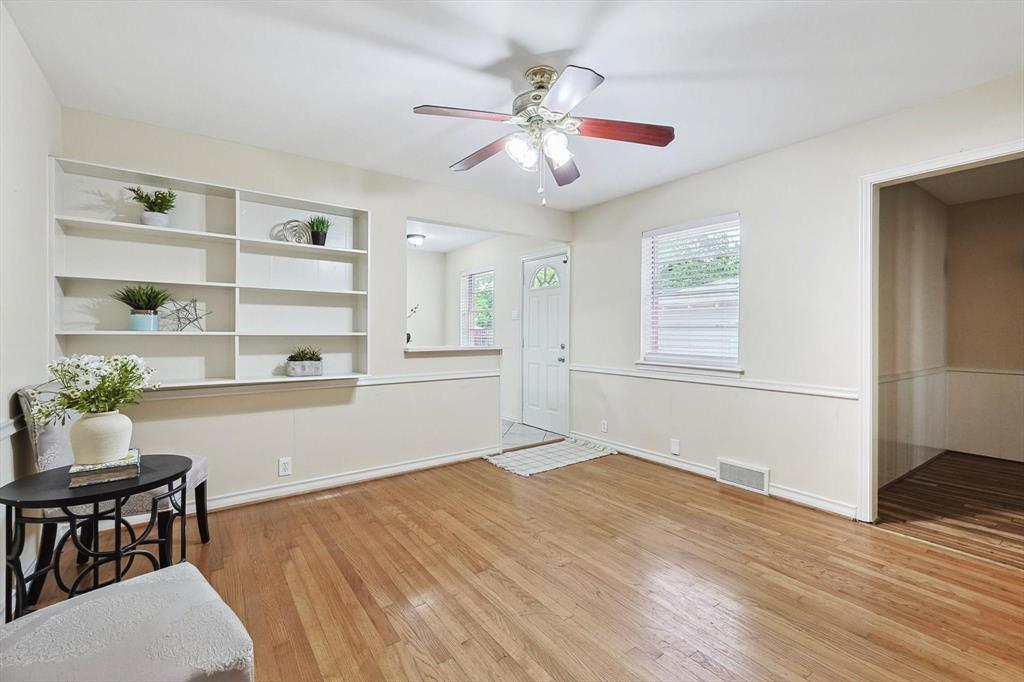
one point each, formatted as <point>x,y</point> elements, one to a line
<point>670,460</point>
<point>843,509</point>
<point>774,489</point>
<point>308,485</point>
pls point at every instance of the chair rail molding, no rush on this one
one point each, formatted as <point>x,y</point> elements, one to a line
<point>379,380</point>
<point>734,382</point>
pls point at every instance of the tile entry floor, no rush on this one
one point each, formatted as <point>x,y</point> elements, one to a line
<point>517,435</point>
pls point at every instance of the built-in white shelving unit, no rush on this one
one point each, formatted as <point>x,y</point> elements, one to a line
<point>223,248</point>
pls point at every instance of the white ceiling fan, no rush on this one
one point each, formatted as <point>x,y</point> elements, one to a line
<point>543,115</point>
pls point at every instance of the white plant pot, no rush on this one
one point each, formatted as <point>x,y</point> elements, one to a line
<point>100,437</point>
<point>154,219</point>
<point>312,368</point>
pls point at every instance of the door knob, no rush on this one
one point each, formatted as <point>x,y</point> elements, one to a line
<point>561,359</point>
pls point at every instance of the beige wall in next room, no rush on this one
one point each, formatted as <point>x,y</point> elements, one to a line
<point>985,293</point>
<point>911,329</point>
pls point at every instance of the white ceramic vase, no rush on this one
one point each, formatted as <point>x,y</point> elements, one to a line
<point>154,219</point>
<point>100,437</point>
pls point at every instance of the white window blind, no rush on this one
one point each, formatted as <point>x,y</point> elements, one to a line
<point>476,307</point>
<point>691,293</point>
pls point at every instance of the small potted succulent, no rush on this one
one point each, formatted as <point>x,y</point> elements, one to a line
<point>144,300</point>
<point>318,226</point>
<point>156,205</point>
<point>94,387</point>
<point>305,361</point>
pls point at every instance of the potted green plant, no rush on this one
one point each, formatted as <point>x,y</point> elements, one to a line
<point>144,300</point>
<point>305,361</point>
<point>95,387</point>
<point>155,205</point>
<point>318,227</point>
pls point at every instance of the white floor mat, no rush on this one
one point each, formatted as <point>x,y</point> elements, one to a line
<point>531,461</point>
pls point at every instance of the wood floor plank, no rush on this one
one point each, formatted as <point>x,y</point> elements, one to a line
<point>966,502</point>
<point>615,569</point>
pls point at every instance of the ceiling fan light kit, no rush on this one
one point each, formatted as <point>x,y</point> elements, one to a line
<point>543,116</point>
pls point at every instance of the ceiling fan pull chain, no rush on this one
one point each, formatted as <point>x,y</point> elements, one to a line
<point>540,185</point>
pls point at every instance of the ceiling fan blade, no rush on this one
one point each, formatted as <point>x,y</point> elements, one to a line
<point>565,174</point>
<point>627,131</point>
<point>571,87</point>
<point>481,154</point>
<point>460,113</point>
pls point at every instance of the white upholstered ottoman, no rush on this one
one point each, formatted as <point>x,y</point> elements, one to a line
<point>162,626</point>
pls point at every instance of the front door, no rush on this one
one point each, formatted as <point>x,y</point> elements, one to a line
<point>546,343</point>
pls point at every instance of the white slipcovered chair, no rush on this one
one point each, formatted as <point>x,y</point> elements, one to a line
<point>168,625</point>
<point>51,447</point>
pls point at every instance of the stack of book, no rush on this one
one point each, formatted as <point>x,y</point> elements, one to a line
<point>119,469</point>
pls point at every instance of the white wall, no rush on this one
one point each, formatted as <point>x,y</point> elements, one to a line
<point>30,130</point>
<point>334,432</point>
<point>504,253</point>
<point>912,227</point>
<point>799,322</point>
<point>424,284</point>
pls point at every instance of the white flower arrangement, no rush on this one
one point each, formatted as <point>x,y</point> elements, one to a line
<point>92,383</point>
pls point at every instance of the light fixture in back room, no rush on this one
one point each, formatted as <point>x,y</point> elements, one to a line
<point>415,238</point>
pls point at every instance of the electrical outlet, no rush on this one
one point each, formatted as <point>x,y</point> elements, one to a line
<point>284,466</point>
<point>673,446</point>
<point>604,426</point>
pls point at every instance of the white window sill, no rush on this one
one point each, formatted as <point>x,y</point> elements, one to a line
<point>450,350</point>
<point>685,368</point>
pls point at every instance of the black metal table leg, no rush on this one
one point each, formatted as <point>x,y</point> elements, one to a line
<point>95,543</point>
<point>184,508</point>
<point>117,539</point>
<point>14,577</point>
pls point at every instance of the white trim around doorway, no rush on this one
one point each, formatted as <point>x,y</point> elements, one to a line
<point>867,467</point>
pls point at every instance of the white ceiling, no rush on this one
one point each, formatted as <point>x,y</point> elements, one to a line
<point>977,184</point>
<point>445,238</point>
<point>338,80</point>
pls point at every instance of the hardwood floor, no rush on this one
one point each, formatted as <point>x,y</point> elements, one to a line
<point>611,569</point>
<point>970,503</point>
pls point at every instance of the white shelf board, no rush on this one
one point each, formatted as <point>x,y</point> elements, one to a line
<point>220,285</point>
<point>249,196</point>
<point>304,249</point>
<point>282,379</point>
<point>116,227</point>
<point>167,282</point>
<point>302,290</point>
<point>132,177</point>
<point>128,332</point>
<point>453,350</point>
<point>198,383</point>
<point>297,333</point>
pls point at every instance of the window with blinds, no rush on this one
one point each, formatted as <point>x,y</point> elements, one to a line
<point>691,293</point>
<point>476,307</point>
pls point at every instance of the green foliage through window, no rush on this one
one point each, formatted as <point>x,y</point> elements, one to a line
<point>546,277</point>
<point>706,259</point>
<point>478,309</point>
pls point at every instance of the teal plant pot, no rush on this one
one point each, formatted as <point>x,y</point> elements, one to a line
<point>144,321</point>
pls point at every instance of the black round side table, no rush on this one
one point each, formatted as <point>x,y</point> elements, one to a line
<point>49,490</point>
